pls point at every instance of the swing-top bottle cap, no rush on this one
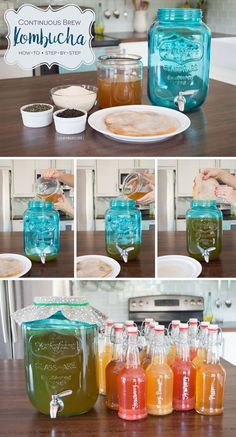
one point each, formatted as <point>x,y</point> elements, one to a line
<point>213,328</point>
<point>109,322</point>
<point>175,323</point>
<point>183,327</point>
<point>148,321</point>
<point>132,330</point>
<point>152,324</point>
<point>129,323</point>
<point>193,321</point>
<point>159,328</point>
<point>204,324</point>
<point>118,326</point>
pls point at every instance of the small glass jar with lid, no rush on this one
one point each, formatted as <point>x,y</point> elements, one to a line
<point>60,350</point>
<point>179,59</point>
<point>123,230</point>
<point>204,230</point>
<point>41,231</point>
<point>119,80</point>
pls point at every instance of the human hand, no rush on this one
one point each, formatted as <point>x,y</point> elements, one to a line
<point>64,205</point>
<point>215,173</point>
<point>147,198</point>
<point>227,193</point>
<point>150,179</point>
<point>51,173</point>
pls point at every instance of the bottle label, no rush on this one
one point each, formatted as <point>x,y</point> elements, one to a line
<point>135,396</point>
<point>159,392</point>
<point>180,50</point>
<point>212,395</point>
<point>185,393</point>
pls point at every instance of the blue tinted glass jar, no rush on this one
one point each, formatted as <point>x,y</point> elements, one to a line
<point>60,351</point>
<point>123,226</point>
<point>204,230</point>
<point>179,59</point>
<point>41,231</point>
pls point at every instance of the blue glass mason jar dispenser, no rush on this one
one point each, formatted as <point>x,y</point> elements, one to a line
<point>179,59</point>
<point>41,231</point>
<point>204,230</point>
<point>123,227</point>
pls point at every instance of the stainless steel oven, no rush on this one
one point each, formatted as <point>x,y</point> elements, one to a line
<point>164,308</point>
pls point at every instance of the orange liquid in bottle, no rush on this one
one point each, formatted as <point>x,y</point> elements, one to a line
<point>112,370</point>
<point>171,355</point>
<point>199,358</point>
<point>210,381</point>
<point>159,389</point>
<point>104,359</point>
<point>119,92</point>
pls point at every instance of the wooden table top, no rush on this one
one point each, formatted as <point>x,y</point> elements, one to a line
<point>212,131</point>
<point>174,243</point>
<point>93,243</point>
<point>19,418</point>
<point>61,267</point>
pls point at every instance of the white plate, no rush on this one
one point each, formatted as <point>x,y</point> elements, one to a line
<point>178,266</point>
<point>96,121</point>
<point>27,264</point>
<point>112,262</point>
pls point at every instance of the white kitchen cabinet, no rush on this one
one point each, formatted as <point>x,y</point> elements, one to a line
<point>86,163</point>
<point>23,178</point>
<point>5,163</point>
<point>17,225</point>
<point>107,177</point>
<point>139,48</point>
<point>146,163</point>
<point>228,164</point>
<point>100,225</point>
<point>11,71</point>
<point>229,350</point>
<point>65,164</point>
<point>126,163</point>
<point>42,164</point>
<point>167,163</point>
<point>207,163</point>
<point>181,225</point>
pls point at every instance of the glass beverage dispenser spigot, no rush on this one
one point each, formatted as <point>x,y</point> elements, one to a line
<point>204,230</point>
<point>41,231</point>
<point>60,348</point>
<point>123,230</point>
<point>179,59</point>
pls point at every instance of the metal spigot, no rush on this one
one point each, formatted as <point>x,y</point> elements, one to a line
<point>180,100</point>
<point>124,253</point>
<point>206,252</point>
<point>43,257</point>
<point>56,404</point>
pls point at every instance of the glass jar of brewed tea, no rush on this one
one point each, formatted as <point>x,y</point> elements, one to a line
<point>60,350</point>
<point>48,189</point>
<point>119,80</point>
<point>204,230</point>
<point>123,229</point>
<point>41,231</point>
<point>135,186</point>
<point>179,59</point>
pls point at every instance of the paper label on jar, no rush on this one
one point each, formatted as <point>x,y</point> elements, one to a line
<point>49,37</point>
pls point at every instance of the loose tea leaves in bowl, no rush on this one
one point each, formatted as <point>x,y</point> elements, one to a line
<point>37,108</point>
<point>70,113</point>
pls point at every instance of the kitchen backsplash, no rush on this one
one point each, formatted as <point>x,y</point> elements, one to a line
<point>182,205</point>
<point>112,298</point>
<point>222,16</point>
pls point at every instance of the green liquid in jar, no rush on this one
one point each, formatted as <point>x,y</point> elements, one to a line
<point>114,253</point>
<point>58,360</point>
<point>204,233</point>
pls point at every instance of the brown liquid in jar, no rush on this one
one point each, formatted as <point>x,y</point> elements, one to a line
<point>115,92</point>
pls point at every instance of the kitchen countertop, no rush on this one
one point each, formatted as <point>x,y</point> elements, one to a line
<point>228,326</point>
<point>19,418</point>
<point>93,243</point>
<point>174,243</point>
<point>63,218</point>
<point>144,217</point>
<point>208,134</point>
<point>225,217</point>
<point>61,267</point>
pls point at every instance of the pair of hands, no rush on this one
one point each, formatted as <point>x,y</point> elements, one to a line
<point>223,191</point>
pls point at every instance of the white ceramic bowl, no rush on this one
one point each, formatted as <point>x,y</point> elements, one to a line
<point>70,126</point>
<point>36,119</point>
<point>73,101</point>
